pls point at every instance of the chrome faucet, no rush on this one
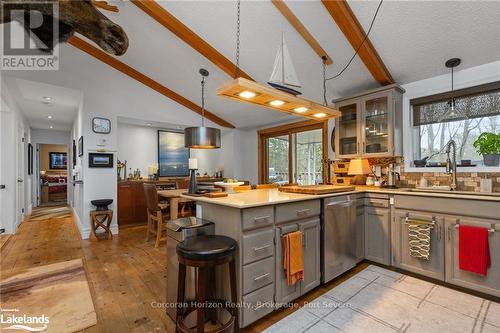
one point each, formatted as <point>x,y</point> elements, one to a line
<point>451,166</point>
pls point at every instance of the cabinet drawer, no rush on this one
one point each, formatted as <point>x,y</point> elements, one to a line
<point>257,275</point>
<point>257,217</point>
<point>257,245</point>
<point>297,210</point>
<point>374,202</point>
<point>257,307</point>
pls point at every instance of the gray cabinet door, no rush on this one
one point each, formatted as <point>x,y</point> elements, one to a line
<point>284,292</point>
<point>434,267</point>
<point>377,235</point>
<point>491,282</point>
<point>311,254</point>
<point>359,232</point>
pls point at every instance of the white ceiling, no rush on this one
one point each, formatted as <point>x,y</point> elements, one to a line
<point>414,38</point>
<point>30,97</point>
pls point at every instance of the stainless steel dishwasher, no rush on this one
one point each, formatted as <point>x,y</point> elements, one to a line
<point>338,238</point>
<point>177,231</point>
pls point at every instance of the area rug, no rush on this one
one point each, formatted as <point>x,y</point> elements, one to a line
<point>51,298</point>
<point>379,300</point>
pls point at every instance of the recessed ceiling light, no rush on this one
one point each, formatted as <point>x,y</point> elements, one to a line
<point>149,124</point>
<point>49,117</point>
<point>51,126</point>
<point>47,98</point>
<point>247,94</point>
<point>300,109</point>
<point>276,102</point>
<point>320,115</point>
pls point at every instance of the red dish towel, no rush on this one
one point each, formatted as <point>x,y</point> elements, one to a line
<point>473,249</point>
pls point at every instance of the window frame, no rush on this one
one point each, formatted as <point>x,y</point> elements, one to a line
<point>289,129</point>
<point>411,133</point>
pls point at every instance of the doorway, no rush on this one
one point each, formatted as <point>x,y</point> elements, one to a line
<point>294,153</point>
<point>53,174</point>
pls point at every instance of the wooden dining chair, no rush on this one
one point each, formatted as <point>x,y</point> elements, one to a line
<point>157,213</point>
<point>266,186</point>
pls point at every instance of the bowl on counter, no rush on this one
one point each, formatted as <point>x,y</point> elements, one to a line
<point>228,187</point>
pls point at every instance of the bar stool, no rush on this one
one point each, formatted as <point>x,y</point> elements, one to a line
<point>205,253</point>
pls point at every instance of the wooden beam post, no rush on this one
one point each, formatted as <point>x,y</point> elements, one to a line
<point>146,80</point>
<point>301,29</point>
<point>169,21</point>
<point>348,23</point>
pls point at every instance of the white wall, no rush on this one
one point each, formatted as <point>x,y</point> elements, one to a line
<point>14,128</point>
<point>462,79</point>
<point>138,145</point>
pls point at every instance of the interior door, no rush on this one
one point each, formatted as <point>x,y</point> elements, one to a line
<point>20,149</point>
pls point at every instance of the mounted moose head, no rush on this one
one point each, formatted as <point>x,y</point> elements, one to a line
<point>74,16</point>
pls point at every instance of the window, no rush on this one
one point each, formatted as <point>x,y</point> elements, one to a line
<point>477,110</point>
<point>293,153</point>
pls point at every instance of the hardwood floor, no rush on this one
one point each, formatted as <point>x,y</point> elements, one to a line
<point>125,274</point>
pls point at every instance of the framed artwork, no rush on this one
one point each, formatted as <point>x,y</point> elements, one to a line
<point>30,159</point>
<point>100,160</point>
<point>58,161</point>
<point>80,147</point>
<point>73,153</point>
<point>173,157</point>
<point>101,125</point>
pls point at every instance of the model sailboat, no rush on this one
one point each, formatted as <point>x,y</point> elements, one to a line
<point>284,76</point>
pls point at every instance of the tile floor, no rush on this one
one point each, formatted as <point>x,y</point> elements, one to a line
<point>378,300</point>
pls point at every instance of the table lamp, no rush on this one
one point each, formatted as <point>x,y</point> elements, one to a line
<point>193,166</point>
<point>359,167</point>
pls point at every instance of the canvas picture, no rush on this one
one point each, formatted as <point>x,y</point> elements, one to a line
<point>58,160</point>
<point>172,155</point>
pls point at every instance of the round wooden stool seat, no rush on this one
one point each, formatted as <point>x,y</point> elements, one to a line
<point>205,253</point>
<point>207,248</point>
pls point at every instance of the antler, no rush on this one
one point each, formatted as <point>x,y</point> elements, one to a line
<point>104,5</point>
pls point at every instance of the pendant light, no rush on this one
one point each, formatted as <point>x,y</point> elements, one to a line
<point>452,63</point>
<point>202,137</point>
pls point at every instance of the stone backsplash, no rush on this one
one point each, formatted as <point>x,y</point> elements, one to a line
<point>466,181</point>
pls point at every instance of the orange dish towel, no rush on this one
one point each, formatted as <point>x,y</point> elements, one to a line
<point>292,257</point>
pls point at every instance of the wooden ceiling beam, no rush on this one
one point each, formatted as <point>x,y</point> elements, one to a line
<point>301,29</point>
<point>169,21</point>
<point>343,15</point>
<point>146,80</point>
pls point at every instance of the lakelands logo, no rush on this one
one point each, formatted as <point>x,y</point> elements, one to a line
<point>23,322</point>
<point>29,31</point>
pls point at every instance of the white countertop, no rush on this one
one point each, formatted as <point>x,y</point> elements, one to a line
<point>255,198</point>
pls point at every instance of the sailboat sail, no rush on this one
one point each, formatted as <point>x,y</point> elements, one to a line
<point>283,70</point>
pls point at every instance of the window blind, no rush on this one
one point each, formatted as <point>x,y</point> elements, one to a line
<point>474,102</point>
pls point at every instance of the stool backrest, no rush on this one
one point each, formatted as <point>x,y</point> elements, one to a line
<point>151,195</point>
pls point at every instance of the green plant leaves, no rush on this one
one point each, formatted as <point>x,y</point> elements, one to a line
<point>487,143</point>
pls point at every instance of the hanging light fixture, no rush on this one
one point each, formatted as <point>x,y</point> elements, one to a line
<point>202,137</point>
<point>248,91</point>
<point>451,112</point>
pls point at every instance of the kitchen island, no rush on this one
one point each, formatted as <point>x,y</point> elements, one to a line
<point>257,219</point>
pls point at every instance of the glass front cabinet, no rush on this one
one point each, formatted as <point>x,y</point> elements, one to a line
<point>370,124</point>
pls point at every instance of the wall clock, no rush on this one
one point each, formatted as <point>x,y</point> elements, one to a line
<point>101,125</point>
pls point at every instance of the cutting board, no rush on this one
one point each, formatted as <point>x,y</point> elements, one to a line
<point>316,189</point>
<point>215,194</point>
<point>59,291</point>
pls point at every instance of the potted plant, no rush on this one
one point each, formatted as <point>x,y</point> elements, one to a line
<point>488,145</point>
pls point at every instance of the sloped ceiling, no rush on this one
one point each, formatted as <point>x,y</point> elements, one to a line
<point>413,38</point>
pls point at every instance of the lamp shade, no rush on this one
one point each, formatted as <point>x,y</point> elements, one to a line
<point>359,166</point>
<point>202,137</point>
